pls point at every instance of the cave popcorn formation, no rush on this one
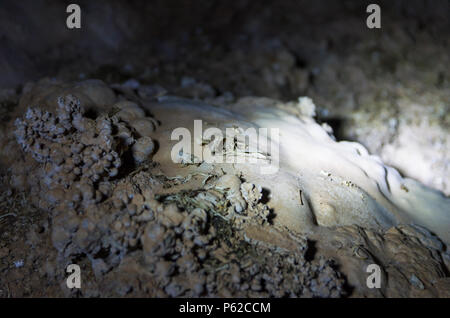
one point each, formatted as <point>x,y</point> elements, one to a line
<point>103,171</point>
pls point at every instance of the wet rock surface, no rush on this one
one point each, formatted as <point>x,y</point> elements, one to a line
<point>87,198</point>
<point>187,243</point>
<point>78,183</point>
